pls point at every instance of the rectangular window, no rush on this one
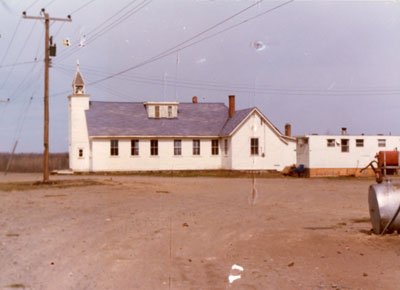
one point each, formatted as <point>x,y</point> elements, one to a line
<point>114,148</point>
<point>154,147</point>
<point>254,146</point>
<point>330,142</point>
<point>196,147</point>
<point>134,147</point>
<point>169,111</point>
<point>381,142</point>
<point>359,142</point>
<point>157,111</point>
<point>177,147</point>
<point>214,147</point>
<point>80,153</point>
<point>226,147</point>
<point>345,145</point>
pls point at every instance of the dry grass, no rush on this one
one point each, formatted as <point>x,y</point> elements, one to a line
<point>32,162</point>
<point>361,220</point>
<point>193,173</point>
<point>16,285</point>
<point>30,185</point>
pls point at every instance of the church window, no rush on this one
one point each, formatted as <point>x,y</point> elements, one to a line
<point>154,147</point>
<point>134,147</point>
<point>114,147</point>
<point>196,147</point>
<point>214,147</point>
<point>254,146</point>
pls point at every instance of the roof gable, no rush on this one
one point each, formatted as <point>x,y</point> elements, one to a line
<point>243,118</point>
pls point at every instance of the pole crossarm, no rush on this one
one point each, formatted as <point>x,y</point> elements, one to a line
<point>50,18</point>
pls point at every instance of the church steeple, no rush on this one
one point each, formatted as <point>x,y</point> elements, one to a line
<point>78,83</point>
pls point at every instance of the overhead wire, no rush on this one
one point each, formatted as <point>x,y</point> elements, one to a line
<point>204,31</point>
<point>81,7</point>
<point>98,72</point>
<point>98,27</point>
<point>169,51</point>
<point>108,27</point>
<point>29,72</point>
<point>240,88</point>
<point>10,43</point>
<point>114,92</point>
<point>30,6</point>
<point>19,55</point>
<point>49,3</point>
<point>18,131</point>
<point>19,63</point>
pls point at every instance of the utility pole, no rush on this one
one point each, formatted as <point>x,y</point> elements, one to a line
<point>5,101</point>
<point>49,50</point>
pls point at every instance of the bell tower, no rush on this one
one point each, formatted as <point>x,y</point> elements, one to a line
<point>79,145</point>
<point>78,84</point>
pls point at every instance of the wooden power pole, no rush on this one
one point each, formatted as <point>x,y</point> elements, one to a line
<point>47,50</point>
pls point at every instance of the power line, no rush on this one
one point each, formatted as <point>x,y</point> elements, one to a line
<point>9,45</point>
<point>20,63</point>
<point>102,23</point>
<point>30,6</point>
<point>59,29</point>
<point>108,27</point>
<point>49,3</point>
<point>215,86</point>
<point>18,56</point>
<point>114,92</point>
<point>120,20</point>
<point>202,32</point>
<point>169,51</point>
<point>81,7</point>
<point>28,73</point>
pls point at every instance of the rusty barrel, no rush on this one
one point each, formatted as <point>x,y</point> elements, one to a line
<point>384,200</point>
<point>390,157</point>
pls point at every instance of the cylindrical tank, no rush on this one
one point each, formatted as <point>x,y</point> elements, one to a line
<point>392,158</point>
<point>384,200</point>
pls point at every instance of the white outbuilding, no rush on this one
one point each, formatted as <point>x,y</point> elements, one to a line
<point>342,155</point>
<point>153,136</point>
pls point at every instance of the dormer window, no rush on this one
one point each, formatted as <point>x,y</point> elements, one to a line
<point>159,110</point>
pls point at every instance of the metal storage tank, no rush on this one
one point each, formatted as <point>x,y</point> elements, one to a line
<point>384,202</point>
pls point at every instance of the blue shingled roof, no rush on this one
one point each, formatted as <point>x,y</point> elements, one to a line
<point>233,122</point>
<point>130,119</point>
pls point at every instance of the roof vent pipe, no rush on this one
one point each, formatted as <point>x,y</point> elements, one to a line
<point>231,106</point>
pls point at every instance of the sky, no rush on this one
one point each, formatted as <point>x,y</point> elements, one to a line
<point>318,65</point>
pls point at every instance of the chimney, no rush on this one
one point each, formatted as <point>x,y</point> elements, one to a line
<point>194,100</point>
<point>231,106</point>
<point>288,130</point>
<point>344,131</point>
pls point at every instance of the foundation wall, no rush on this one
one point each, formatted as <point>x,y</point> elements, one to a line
<point>315,172</point>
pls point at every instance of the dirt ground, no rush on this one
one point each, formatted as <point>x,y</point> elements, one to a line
<point>187,233</point>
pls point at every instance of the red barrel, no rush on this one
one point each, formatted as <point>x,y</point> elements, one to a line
<point>391,157</point>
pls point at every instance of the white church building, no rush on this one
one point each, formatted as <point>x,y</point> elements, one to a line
<point>154,136</point>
